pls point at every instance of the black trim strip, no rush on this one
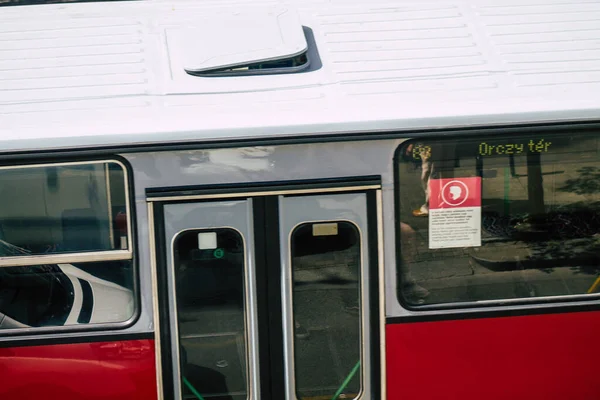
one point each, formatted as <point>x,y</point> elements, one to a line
<point>271,247</point>
<point>373,272</point>
<point>268,307</point>
<point>163,304</point>
<point>262,303</point>
<point>85,313</point>
<point>21,3</point>
<point>227,188</point>
<point>504,313</point>
<point>333,137</point>
<point>70,339</point>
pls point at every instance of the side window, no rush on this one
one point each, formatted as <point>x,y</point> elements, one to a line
<point>63,209</point>
<point>326,271</point>
<point>65,245</point>
<point>498,218</point>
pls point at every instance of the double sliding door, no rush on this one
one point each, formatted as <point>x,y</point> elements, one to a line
<point>269,295</point>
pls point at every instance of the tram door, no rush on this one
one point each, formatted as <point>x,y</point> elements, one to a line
<point>268,297</point>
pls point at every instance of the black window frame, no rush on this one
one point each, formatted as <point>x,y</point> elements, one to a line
<point>49,161</point>
<point>489,133</point>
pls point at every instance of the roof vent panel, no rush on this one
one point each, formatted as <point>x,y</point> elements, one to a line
<point>245,44</point>
<point>246,50</point>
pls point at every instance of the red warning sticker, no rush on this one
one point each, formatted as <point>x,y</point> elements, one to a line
<point>454,212</point>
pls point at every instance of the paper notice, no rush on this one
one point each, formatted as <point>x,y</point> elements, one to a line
<point>454,213</point>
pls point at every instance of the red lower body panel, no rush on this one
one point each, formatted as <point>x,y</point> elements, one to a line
<point>83,371</point>
<point>540,357</point>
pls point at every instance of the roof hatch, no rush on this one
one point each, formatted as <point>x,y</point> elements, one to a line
<point>267,43</point>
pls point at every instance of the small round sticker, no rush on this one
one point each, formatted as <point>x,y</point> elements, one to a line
<point>218,253</point>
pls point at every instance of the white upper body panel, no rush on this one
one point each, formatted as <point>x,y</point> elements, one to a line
<point>113,74</point>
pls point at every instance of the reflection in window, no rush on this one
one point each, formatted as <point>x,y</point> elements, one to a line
<point>540,218</point>
<point>326,299</point>
<point>62,209</point>
<point>66,294</point>
<point>209,274</point>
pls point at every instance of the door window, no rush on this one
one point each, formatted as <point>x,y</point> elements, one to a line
<point>326,300</point>
<point>209,279</point>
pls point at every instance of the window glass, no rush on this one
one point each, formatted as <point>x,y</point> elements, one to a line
<point>326,267</point>
<point>209,275</point>
<point>66,294</point>
<point>57,209</point>
<point>63,209</point>
<point>490,218</point>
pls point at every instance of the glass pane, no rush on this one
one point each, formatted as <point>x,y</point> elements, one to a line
<point>66,294</point>
<point>209,275</point>
<point>326,298</point>
<point>535,218</point>
<point>61,209</point>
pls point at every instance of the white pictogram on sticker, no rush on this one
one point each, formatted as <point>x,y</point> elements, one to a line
<point>459,193</point>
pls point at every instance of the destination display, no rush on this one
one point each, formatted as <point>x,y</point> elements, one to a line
<point>490,148</point>
<point>539,146</point>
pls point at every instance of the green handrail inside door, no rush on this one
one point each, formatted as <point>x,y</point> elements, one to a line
<point>346,381</point>
<point>192,389</point>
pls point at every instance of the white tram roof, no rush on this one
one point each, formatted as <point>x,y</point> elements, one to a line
<point>112,74</point>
